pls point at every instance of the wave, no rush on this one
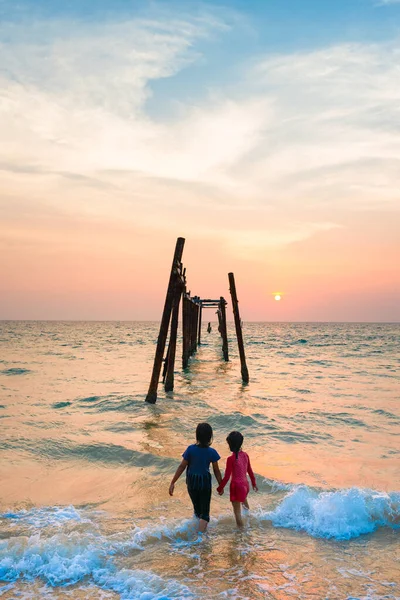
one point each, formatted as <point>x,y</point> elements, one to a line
<point>46,516</point>
<point>63,560</point>
<point>63,546</point>
<point>69,557</point>
<point>339,515</point>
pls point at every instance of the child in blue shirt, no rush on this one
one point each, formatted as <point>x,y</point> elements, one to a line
<point>197,459</point>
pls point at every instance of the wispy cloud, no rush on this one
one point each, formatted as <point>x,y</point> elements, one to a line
<point>306,132</point>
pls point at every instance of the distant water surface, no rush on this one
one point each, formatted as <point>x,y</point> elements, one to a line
<point>85,463</point>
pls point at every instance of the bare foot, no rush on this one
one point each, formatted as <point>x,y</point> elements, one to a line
<point>202,525</point>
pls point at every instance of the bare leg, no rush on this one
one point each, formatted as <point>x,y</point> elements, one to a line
<point>237,510</point>
<point>246,505</point>
<point>202,525</point>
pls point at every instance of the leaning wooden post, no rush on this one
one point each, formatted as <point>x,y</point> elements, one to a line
<point>238,326</point>
<point>170,360</point>
<point>224,333</point>
<point>199,325</point>
<point>162,336</point>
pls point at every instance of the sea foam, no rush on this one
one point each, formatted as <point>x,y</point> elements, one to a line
<point>70,557</point>
<point>340,515</point>
<point>67,559</point>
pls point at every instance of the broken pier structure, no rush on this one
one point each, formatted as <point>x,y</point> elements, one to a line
<point>192,309</point>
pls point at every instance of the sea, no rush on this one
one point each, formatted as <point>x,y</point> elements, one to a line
<point>85,463</point>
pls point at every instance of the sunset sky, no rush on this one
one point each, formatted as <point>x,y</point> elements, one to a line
<point>265,132</point>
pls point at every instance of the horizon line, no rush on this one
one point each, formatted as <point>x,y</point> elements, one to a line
<point>158,321</point>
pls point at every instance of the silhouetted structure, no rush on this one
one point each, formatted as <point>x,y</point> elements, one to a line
<point>192,308</point>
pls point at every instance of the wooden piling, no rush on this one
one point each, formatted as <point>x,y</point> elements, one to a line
<point>224,333</point>
<point>199,325</point>
<point>165,367</point>
<point>195,320</point>
<point>238,327</point>
<point>190,327</point>
<point>185,331</point>
<point>165,319</point>
<point>170,360</point>
<point>218,313</point>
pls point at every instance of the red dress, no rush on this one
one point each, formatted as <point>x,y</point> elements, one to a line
<point>238,468</point>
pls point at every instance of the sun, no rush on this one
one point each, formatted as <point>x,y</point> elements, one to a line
<point>277,297</point>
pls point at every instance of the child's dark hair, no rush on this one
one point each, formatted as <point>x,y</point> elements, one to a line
<point>235,441</point>
<point>204,435</point>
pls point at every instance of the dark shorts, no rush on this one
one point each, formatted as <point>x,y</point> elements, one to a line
<point>201,502</point>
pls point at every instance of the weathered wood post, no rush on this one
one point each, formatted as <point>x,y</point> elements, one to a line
<point>195,321</point>
<point>219,322</point>
<point>199,324</point>
<point>185,331</point>
<point>170,359</point>
<point>165,367</point>
<point>238,327</point>
<point>224,333</point>
<point>191,349</point>
<point>162,336</point>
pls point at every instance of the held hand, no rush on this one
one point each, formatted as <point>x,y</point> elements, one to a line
<point>171,489</point>
<point>220,492</point>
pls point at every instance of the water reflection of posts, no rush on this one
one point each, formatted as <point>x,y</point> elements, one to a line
<point>238,326</point>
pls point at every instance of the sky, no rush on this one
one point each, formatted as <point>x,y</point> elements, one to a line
<point>264,132</point>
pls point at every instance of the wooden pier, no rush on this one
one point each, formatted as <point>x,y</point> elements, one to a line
<point>192,312</point>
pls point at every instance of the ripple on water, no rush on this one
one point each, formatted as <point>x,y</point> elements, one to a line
<point>107,454</point>
<point>58,405</point>
<point>15,371</point>
<point>112,403</point>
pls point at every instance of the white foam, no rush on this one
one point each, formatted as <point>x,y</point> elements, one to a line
<point>181,533</point>
<point>67,558</point>
<point>341,515</point>
<point>81,554</point>
<point>46,516</point>
<point>278,485</point>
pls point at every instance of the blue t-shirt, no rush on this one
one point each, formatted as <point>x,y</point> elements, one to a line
<point>198,470</point>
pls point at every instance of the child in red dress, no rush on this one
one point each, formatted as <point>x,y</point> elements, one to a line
<point>238,465</point>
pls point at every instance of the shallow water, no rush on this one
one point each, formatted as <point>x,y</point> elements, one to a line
<point>86,464</point>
